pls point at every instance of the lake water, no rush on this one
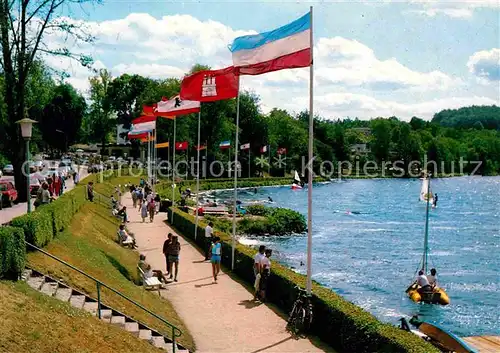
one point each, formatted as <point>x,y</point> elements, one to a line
<point>370,258</point>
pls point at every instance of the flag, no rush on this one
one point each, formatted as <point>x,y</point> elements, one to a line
<point>286,47</point>
<point>263,149</point>
<point>139,136</point>
<point>225,144</point>
<point>175,106</point>
<point>143,127</point>
<point>210,85</point>
<point>245,147</point>
<point>144,119</point>
<point>200,148</point>
<point>282,150</point>
<point>149,110</point>
<point>181,146</point>
<point>162,145</point>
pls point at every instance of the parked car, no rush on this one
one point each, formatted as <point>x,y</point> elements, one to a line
<point>38,165</point>
<point>9,193</point>
<point>8,169</point>
<point>65,168</point>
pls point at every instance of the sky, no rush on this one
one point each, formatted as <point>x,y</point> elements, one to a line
<point>372,58</point>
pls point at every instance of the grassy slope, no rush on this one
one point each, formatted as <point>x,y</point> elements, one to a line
<point>34,322</point>
<point>90,245</point>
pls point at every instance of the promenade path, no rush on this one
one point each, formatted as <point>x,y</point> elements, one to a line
<point>222,317</point>
<point>8,213</point>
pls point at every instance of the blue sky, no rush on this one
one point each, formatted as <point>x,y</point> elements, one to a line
<point>373,58</point>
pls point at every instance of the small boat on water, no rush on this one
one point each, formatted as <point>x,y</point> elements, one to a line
<point>427,294</point>
<point>297,182</point>
<point>439,337</point>
<point>425,191</point>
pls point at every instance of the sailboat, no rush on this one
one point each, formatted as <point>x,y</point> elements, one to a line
<point>296,185</point>
<point>437,295</point>
<point>425,191</point>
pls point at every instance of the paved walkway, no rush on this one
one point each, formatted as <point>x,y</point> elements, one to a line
<point>222,317</point>
<point>8,213</point>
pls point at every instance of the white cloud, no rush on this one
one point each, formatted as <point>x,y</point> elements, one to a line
<point>168,46</point>
<point>485,64</point>
<point>453,8</point>
<point>349,62</point>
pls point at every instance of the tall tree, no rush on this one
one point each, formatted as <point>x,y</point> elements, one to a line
<point>62,117</point>
<point>381,135</point>
<point>23,25</point>
<point>100,121</point>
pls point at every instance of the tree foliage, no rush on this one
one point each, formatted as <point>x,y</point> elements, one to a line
<point>475,117</point>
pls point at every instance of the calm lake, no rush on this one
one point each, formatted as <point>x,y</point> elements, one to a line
<point>370,255</point>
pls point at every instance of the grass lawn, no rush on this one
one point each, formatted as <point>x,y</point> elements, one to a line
<point>90,245</point>
<point>34,322</point>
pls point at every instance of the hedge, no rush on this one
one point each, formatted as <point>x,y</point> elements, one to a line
<point>38,226</point>
<point>338,322</point>
<point>12,252</point>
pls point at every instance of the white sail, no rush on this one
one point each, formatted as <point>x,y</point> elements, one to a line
<point>296,178</point>
<point>425,191</point>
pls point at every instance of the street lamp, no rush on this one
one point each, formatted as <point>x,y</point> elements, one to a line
<point>26,127</point>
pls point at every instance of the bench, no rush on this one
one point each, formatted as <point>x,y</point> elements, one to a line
<point>215,210</point>
<point>151,282</point>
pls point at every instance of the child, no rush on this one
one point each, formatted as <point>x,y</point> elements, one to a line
<point>143,209</point>
<point>216,257</point>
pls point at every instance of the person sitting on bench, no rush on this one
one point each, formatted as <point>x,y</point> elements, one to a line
<point>148,271</point>
<point>126,238</point>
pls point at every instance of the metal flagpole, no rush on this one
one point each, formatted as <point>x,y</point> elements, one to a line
<point>269,167</point>
<point>173,173</point>
<point>197,175</point>
<point>310,178</point>
<point>235,175</point>
<point>149,157</point>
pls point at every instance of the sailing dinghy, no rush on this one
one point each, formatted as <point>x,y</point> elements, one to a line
<point>296,185</point>
<point>436,295</point>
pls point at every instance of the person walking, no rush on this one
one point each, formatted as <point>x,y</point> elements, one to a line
<point>174,249</point>
<point>157,203</point>
<point>134,198</point>
<point>208,239</point>
<point>151,210</point>
<point>216,257</point>
<point>165,251</point>
<point>62,184</point>
<point>90,191</point>
<point>143,209</point>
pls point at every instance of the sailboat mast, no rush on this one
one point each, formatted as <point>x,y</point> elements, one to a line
<point>426,237</point>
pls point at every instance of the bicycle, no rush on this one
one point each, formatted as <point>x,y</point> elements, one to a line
<point>301,316</point>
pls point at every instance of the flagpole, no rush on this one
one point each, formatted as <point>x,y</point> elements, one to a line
<point>206,157</point>
<point>269,167</point>
<point>235,175</point>
<point>149,157</point>
<point>155,152</point>
<point>310,179</point>
<point>198,176</point>
<point>173,172</point>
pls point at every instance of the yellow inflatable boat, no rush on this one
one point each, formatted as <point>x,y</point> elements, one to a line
<point>436,296</point>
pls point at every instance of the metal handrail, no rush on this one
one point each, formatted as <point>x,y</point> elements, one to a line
<point>176,332</point>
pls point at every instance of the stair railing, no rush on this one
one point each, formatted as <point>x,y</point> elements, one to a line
<point>176,332</point>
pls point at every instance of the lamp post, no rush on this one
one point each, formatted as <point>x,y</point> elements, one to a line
<point>26,129</point>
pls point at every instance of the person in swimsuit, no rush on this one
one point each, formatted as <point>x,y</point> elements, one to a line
<point>216,257</point>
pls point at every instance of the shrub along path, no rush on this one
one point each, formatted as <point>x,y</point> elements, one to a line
<point>221,317</point>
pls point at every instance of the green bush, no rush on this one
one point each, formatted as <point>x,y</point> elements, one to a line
<point>256,210</point>
<point>337,322</point>
<point>38,226</point>
<point>61,210</point>
<point>12,252</point>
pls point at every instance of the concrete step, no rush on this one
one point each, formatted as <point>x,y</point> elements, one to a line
<point>91,307</point>
<point>145,334</point>
<point>36,282</point>
<point>77,301</point>
<point>159,342</point>
<point>63,293</point>
<point>106,315</point>
<point>132,327</point>
<point>118,321</point>
<point>49,288</point>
